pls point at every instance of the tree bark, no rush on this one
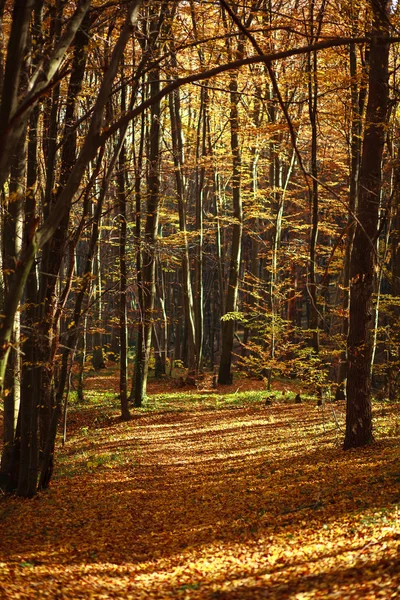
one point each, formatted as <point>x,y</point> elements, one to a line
<point>364,255</point>
<point>224,374</point>
<point>177,145</point>
<point>38,237</point>
<point>123,332</point>
<point>12,236</point>
<point>148,267</point>
<point>358,97</point>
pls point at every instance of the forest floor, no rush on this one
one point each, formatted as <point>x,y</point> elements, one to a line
<point>209,495</point>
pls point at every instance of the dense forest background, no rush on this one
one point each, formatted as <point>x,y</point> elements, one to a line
<point>212,185</point>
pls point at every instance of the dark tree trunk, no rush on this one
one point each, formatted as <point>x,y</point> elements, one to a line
<point>54,250</point>
<point>123,381</point>
<point>146,262</point>
<point>10,251</point>
<point>139,353</point>
<point>148,256</point>
<point>224,374</point>
<point>27,439</point>
<point>358,97</point>
<point>201,153</point>
<point>177,145</point>
<point>314,202</point>
<point>364,254</point>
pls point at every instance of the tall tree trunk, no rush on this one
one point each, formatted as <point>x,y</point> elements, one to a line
<point>148,266</point>
<point>123,331</point>
<point>358,97</point>
<point>315,28</point>
<point>54,250</point>
<point>224,374</point>
<point>314,202</point>
<point>200,192</point>
<point>177,146</point>
<point>12,236</point>
<point>98,350</point>
<point>139,350</point>
<point>27,441</point>
<point>364,255</point>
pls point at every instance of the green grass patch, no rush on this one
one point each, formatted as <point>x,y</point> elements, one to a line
<point>89,460</point>
<point>180,401</point>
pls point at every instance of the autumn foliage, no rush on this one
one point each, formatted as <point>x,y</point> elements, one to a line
<point>208,495</point>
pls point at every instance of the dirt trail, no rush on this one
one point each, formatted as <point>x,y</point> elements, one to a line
<point>248,502</point>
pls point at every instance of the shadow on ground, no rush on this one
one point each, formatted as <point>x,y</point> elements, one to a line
<point>241,503</point>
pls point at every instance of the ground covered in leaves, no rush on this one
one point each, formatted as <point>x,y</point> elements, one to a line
<point>210,496</point>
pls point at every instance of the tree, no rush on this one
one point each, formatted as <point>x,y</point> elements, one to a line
<point>364,253</point>
<point>224,373</point>
<point>218,236</point>
<point>13,119</point>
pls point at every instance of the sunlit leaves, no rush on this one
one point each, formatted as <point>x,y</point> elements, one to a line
<point>209,496</point>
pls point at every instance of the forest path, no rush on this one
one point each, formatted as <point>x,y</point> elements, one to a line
<point>245,502</point>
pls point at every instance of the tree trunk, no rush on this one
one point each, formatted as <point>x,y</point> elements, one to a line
<point>364,254</point>
<point>123,332</point>
<point>148,266</point>
<point>12,236</point>
<point>54,250</point>
<point>177,145</point>
<point>224,374</point>
<point>358,96</point>
<point>199,194</point>
<point>314,203</point>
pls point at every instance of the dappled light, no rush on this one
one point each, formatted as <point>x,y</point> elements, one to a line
<point>234,501</point>
<point>199,299</point>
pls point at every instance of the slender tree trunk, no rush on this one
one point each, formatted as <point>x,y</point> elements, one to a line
<point>98,350</point>
<point>224,374</point>
<point>82,361</point>
<point>200,192</point>
<point>123,331</point>
<point>178,306</point>
<point>315,26</point>
<point>135,395</point>
<point>27,441</point>
<point>177,146</point>
<point>314,204</point>
<point>54,250</point>
<point>148,266</point>
<point>358,96</point>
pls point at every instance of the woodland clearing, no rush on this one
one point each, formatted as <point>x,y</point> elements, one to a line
<point>209,495</point>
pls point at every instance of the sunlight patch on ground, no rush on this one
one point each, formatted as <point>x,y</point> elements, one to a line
<point>217,504</point>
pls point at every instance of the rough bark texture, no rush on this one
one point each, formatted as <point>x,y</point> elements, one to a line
<point>364,257</point>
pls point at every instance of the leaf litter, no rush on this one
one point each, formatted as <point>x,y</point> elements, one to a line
<point>206,496</point>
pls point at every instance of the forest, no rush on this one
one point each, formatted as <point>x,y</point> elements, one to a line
<point>200,257</point>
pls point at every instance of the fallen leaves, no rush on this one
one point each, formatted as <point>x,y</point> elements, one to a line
<point>209,502</point>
